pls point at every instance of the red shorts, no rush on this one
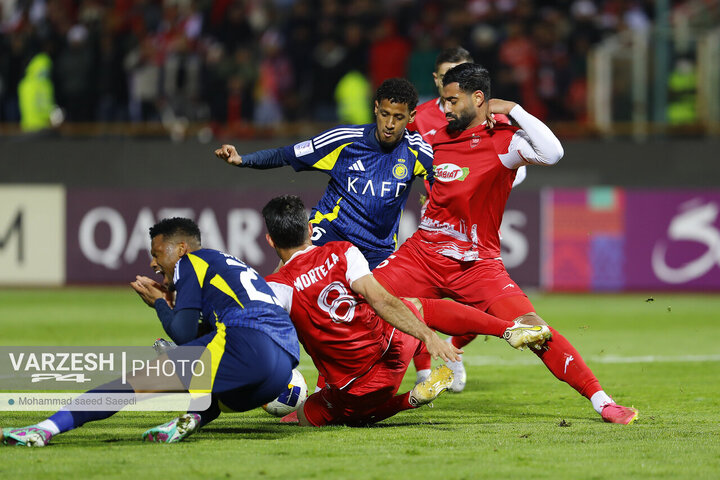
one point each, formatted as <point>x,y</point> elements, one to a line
<point>354,404</point>
<point>416,271</point>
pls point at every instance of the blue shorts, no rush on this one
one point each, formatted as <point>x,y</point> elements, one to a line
<point>249,368</point>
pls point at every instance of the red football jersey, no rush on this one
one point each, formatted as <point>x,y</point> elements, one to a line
<point>471,188</point>
<point>474,173</point>
<point>339,330</point>
<point>429,119</point>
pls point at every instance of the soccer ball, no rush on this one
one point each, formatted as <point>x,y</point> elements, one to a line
<point>291,398</point>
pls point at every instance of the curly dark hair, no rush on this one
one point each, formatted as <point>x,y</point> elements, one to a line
<point>398,90</point>
<point>470,78</point>
<point>453,55</point>
<point>176,226</point>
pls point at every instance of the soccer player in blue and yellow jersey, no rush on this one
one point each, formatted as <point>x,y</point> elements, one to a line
<point>371,169</point>
<point>252,342</point>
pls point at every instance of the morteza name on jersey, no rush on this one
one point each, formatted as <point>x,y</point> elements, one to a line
<point>384,187</point>
<point>315,274</point>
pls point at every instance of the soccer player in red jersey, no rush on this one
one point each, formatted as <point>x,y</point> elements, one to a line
<point>456,251</point>
<point>360,337</point>
<point>429,120</point>
<point>430,116</point>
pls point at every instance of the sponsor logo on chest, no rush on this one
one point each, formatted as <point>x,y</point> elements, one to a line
<point>367,187</point>
<point>376,187</point>
<point>449,172</point>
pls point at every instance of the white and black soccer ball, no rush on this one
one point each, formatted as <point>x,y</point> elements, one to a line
<point>291,398</point>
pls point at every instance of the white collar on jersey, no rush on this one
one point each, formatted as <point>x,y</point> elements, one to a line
<point>299,252</point>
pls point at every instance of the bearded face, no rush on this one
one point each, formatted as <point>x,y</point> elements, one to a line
<point>459,121</point>
<point>459,106</point>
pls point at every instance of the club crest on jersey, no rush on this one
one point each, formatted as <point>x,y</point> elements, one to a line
<point>474,142</point>
<point>400,170</point>
<point>448,172</point>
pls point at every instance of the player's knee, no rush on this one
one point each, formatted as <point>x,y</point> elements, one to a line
<point>531,318</point>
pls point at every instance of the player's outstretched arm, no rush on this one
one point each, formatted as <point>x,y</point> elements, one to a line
<point>262,159</point>
<point>397,314</point>
<point>229,154</point>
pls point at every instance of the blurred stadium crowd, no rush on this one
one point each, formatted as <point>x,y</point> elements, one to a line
<point>237,62</point>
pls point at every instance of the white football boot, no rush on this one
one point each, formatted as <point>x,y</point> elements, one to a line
<point>459,374</point>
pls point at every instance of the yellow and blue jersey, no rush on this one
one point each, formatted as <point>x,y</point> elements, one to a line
<point>231,293</point>
<point>368,185</point>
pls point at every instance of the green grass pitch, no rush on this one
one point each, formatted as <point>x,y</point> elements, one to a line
<point>514,420</point>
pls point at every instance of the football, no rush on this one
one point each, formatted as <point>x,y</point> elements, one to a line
<point>291,398</point>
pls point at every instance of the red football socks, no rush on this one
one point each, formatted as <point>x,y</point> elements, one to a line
<point>423,360</point>
<point>396,404</point>
<point>462,340</point>
<point>453,318</point>
<point>561,358</point>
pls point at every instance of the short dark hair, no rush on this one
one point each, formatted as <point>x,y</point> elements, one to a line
<point>453,55</point>
<point>470,77</point>
<point>286,221</point>
<point>176,226</point>
<point>398,90</point>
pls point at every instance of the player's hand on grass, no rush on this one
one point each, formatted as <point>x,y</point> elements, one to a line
<point>496,105</point>
<point>229,154</point>
<point>149,290</point>
<point>444,350</point>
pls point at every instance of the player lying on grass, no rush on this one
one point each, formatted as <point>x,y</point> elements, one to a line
<point>360,337</point>
<point>456,251</point>
<point>252,341</point>
<point>371,169</point>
